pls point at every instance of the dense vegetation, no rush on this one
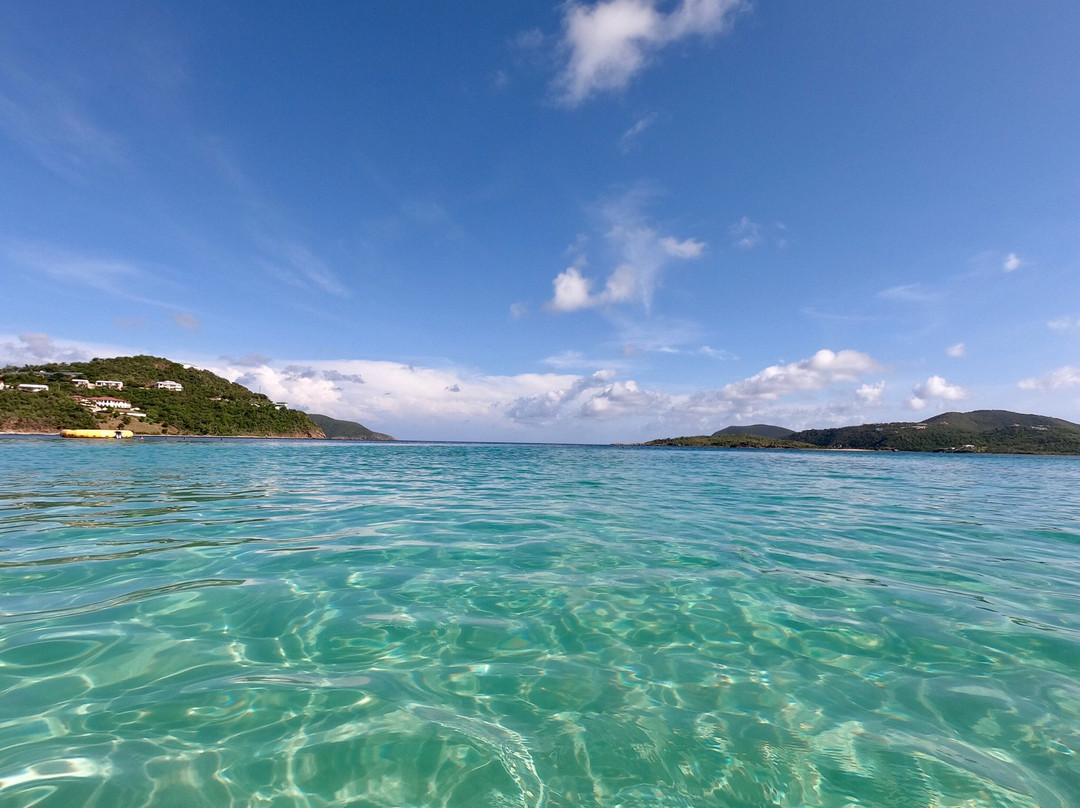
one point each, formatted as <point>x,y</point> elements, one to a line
<point>731,441</point>
<point>345,430</point>
<point>762,430</point>
<point>41,412</point>
<point>998,431</point>
<point>208,404</point>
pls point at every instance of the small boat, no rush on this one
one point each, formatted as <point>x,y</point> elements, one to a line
<point>116,434</point>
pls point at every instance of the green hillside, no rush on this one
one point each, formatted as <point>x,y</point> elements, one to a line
<point>737,441</point>
<point>998,431</point>
<point>345,430</point>
<point>762,430</point>
<point>208,404</point>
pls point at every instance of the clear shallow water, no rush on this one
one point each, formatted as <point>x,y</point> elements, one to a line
<point>290,624</point>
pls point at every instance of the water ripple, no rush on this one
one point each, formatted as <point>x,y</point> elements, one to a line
<point>309,624</point>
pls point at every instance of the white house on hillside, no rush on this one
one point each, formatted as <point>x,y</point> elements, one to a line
<point>82,383</point>
<point>109,401</point>
<point>167,385</point>
<point>33,388</point>
<point>110,384</point>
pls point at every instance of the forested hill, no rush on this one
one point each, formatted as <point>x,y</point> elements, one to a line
<point>761,430</point>
<point>997,431</point>
<point>345,430</point>
<point>207,405</point>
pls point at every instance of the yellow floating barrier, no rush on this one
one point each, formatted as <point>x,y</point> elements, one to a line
<point>116,434</point>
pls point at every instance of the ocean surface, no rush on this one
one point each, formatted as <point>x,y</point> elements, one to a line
<point>303,624</point>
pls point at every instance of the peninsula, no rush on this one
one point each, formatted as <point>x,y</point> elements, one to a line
<point>148,395</point>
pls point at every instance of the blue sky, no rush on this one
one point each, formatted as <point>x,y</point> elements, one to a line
<point>595,222</point>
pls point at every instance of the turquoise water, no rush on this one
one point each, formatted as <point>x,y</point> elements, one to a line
<point>289,624</point>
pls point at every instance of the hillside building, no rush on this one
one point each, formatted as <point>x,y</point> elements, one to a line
<point>112,403</point>
<point>112,385</point>
<point>176,387</point>
<point>33,388</point>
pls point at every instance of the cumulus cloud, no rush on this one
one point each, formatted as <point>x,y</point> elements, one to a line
<point>957,350</point>
<point>625,398</point>
<point>753,395</point>
<point>1012,262</point>
<point>937,389</point>
<point>1067,376</point>
<point>414,401</point>
<point>870,394</point>
<point>642,254</point>
<point>604,45</point>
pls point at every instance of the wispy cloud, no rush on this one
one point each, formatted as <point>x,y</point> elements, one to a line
<point>605,44</point>
<point>956,351</point>
<point>293,263</point>
<point>630,136</point>
<point>747,234</point>
<point>116,277</point>
<point>1012,262</point>
<point>909,293</point>
<point>54,128</point>
<point>642,254</point>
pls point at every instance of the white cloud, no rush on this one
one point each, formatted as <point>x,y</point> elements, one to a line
<point>607,43</point>
<point>642,252</point>
<point>870,394</point>
<point>957,350</point>
<point>937,389</point>
<point>571,291</point>
<point>1012,262</point>
<point>1067,376</point>
<point>519,311</point>
<point>625,398</point>
<point>755,394</point>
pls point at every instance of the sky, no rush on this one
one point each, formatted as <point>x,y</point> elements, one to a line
<point>553,221</point>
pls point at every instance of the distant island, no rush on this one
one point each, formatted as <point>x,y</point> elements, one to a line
<point>980,431</point>
<point>150,395</point>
